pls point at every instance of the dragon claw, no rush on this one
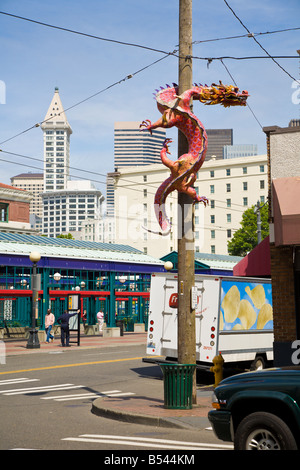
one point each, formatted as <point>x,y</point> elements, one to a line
<point>146,123</point>
<point>204,200</point>
<point>165,144</point>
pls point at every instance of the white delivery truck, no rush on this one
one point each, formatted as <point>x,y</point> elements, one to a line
<point>234,317</point>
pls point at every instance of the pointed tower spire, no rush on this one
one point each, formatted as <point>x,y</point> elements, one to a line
<point>56,111</point>
<point>57,133</point>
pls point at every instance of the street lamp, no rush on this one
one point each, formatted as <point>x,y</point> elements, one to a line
<point>57,277</point>
<point>33,340</point>
<point>168,265</point>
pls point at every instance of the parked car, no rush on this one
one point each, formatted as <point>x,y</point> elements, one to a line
<point>259,410</point>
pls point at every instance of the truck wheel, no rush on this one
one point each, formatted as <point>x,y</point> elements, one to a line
<point>259,363</point>
<point>263,431</point>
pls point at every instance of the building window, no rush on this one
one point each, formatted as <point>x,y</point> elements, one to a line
<point>262,184</point>
<point>245,201</point>
<point>245,170</point>
<point>212,234</point>
<point>245,186</point>
<point>229,218</point>
<point>4,212</point>
<point>212,189</point>
<point>212,219</point>
<point>229,233</point>
<point>212,173</point>
<point>228,202</point>
<point>228,187</point>
<point>212,204</point>
<point>262,168</point>
<point>212,249</point>
<point>227,171</point>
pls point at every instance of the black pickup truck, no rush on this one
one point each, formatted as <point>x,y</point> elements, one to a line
<point>259,410</point>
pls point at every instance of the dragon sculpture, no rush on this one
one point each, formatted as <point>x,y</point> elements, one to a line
<point>176,111</point>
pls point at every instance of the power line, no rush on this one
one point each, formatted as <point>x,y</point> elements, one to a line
<point>88,98</point>
<point>73,31</point>
<point>246,35</point>
<point>247,104</point>
<point>257,42</point>
<point>103,182</point>
<point>152,49</point>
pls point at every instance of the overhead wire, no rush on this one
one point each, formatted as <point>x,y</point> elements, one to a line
<point>127,187</point>
<point>167,54</point>
<point>245,35</point>
<point>257,42</point>
<point>142,69</point>
<point>88,98</point>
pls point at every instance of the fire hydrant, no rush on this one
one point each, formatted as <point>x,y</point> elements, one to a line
<point>217,369</point>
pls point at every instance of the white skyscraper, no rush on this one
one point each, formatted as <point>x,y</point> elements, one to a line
<point>57,133</point>
<point>68,206</point>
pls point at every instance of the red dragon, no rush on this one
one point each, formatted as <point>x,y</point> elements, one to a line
<point>176,111</point>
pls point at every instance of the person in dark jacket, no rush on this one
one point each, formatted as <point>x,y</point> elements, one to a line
<point>63,320</point>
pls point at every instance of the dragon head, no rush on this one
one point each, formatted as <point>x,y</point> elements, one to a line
<point>226,95</point>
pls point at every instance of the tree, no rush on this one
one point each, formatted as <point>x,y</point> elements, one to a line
<point>68,236</point>
<point>245,238</point>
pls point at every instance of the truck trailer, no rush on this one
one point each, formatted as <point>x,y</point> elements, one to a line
<point>233,317</point>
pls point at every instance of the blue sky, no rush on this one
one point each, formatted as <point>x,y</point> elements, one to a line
<point>35,59</point>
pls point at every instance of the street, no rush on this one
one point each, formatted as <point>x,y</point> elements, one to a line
<point>46,402</point>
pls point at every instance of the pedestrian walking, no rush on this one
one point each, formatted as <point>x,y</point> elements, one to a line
<point>63,320</point>
<point>100,319</point>
<point>84,317</point>
<point>49,322</point>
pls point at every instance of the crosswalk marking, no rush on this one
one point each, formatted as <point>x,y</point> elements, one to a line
<point>80,395</point>
<point>48,388</point>
<point>55,388</point>
<point>147,442</point>
<point>16,381</point>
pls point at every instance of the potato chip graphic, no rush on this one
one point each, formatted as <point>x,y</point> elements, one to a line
<point>246,314</point>
<point>221,322</point>
<point>230,304</point>
<point>257,295</point>
<point>238,326</point>
<point>265,315</point>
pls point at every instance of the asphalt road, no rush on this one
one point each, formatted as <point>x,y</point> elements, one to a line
<point>45,404</point>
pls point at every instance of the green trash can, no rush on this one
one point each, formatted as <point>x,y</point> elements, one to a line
<point>178,385</point>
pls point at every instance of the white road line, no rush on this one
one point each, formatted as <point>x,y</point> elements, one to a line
<point>79,395</point>
<point>147,442</point>
<point>16,381</point>
<point>49,388</point>
<point>108,393</point>
<point>82,397</point>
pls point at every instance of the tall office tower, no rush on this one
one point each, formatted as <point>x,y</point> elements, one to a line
<point>217,139</point>
<point>133,147</point>
<point>57,133</point>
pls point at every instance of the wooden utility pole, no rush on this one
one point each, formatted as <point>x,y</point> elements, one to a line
<point>186,256</point>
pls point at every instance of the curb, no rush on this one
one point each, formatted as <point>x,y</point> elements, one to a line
<point>136,418</point>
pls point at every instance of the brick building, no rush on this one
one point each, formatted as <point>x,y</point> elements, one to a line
<point>14,209</point>
<point>284,191</point>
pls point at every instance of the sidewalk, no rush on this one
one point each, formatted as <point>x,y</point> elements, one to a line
<point>18,346</point>
<point>146,405</point>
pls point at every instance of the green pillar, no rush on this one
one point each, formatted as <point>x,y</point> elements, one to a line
<point>112,301</point>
